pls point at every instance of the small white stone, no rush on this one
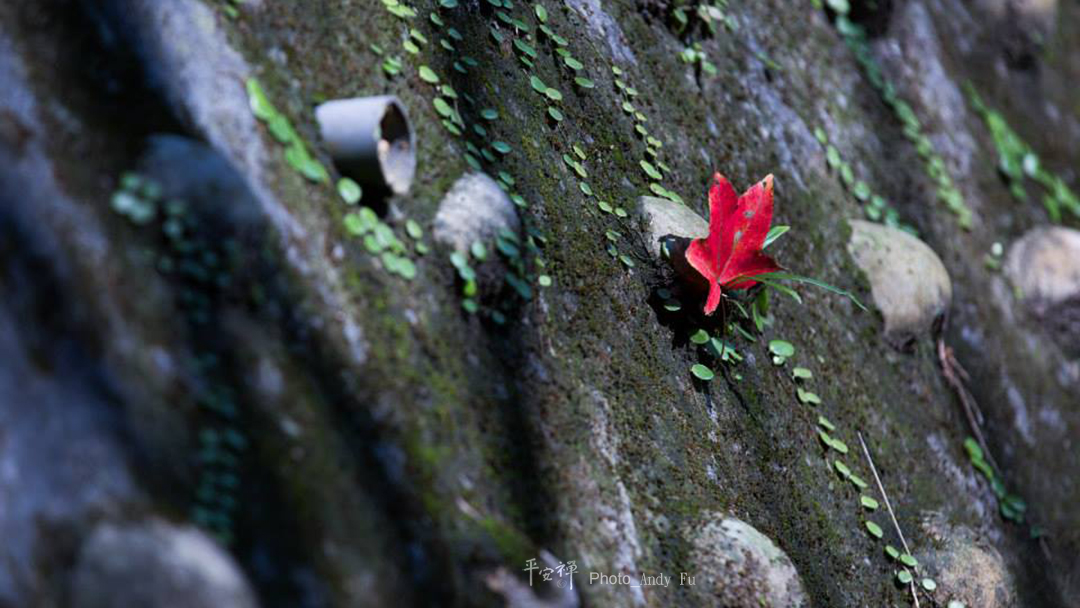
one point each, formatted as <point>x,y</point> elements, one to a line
<point>670,219</point>
<point>1044,269</point>
<point>475,209</point>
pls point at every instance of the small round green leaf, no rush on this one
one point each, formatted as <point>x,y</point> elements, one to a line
<point>349,191</point>
<point>832,156</point>
<point>442,107</point>
<point>781,348</point>
<point>650,170</point>
<point>841,468</point>
<point>428,75</point>
<point>701,372</point>
<point>857,482</point>
<point>874,530</point>
<point>414,230</point>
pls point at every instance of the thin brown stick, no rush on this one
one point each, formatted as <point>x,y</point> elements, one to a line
<point>953,374</point>
<point>957,377</point>
<point>892,515</point>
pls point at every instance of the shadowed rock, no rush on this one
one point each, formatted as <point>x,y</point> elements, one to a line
<point>1044,267</point>
<point>672,226</point>
<point>669,219</point>
<point>156,565</point>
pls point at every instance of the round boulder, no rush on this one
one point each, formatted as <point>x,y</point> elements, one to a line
<point>739,567</point>
<point>909,283</point>
<point>1044,268</point>
<point>156,565</point>
<point>966,568</point>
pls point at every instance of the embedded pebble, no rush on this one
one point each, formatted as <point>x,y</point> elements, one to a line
<point>910,285</point>
<point>965,567</point>
<point>475,209</point>
<point>670,219</point>
<point>1044,269</point>
<point>738,566</point>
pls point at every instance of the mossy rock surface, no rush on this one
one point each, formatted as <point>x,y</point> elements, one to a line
<point>353,435</point>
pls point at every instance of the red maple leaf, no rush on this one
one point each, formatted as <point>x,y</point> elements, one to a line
<point>738,225</point>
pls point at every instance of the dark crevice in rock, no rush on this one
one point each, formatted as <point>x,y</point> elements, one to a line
<point>873,15</point>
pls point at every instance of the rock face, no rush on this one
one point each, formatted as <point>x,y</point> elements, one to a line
<point>966,568</point>
<point>156,565</point>
<point>61,458</point>
<point>1044,267</point>
<point>740,567</point>
<point>475,209</point>
<point>909,283</point>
